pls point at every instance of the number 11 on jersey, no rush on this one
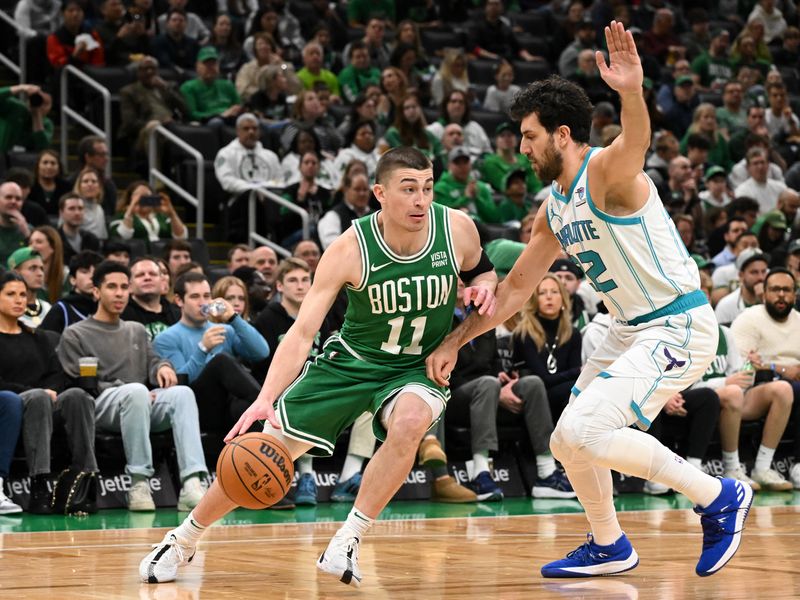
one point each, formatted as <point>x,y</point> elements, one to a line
<point>393,346</point>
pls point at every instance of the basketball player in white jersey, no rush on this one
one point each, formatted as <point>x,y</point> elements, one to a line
<point>606,214</point>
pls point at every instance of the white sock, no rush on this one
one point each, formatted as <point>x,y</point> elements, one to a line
<point>190,531</point>
<point>596,493</point>
<point>545,465</point>
<point>695,462</point>
<point>480,461</point>
<point>352,465</point>
<point>730,461</point>
<point>764,458</point>
<point>358,522</point>
<point>305,465</point>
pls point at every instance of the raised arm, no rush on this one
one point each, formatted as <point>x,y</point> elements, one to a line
<point>511,294</point>
<point>339,265</point>
<point>616,169</point>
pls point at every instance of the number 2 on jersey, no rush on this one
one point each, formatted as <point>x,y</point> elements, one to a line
<point>596,267</point>
<point>392,344</point>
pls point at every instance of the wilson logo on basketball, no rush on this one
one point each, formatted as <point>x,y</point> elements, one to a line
<point>270,453</point>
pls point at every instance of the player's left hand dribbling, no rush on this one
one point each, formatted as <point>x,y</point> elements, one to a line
<point>260,410</point>
<point>482,298</point>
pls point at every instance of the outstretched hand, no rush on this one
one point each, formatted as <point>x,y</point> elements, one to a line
<point>260,410</point>
<point>624,71</point>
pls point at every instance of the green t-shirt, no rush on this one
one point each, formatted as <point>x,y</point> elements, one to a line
<point>450,192</point>
<point>204,101</point>
<point>10,240</point>
<point>712,69</point>
<point>403,306</point>
<point>433,151</point>
<point>494,171</point>
<point>308,79</point>
<point>510,211</point>
<point>718,154</point>
<point>16,127</point>
<point>733,122</point>
<point>353,81</point>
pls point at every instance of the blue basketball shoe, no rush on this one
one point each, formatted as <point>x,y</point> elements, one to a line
<point>723,522</point>
<point>591,559</point>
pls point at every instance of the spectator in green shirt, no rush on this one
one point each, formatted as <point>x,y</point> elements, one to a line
<point>496,167</point>
<point>361,11</point>
<point>713,66</point>
<point>732,116</point>
<point>354,78</point>
<point>209,99</point>
<point>458,188</point>
<point>312,70</point>
<point>704,122</point>
<point>409,129</point>
<point>25,123</point>
<point>516,203</point>
<point>14,229</point>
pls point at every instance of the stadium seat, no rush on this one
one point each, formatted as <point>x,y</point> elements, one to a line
<point>488,120</point>
<point>482,71</point>
<point>436,40</point>
<point>533,23</point>
<point>528,72</point>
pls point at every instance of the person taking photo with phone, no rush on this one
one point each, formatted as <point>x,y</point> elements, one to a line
<point>144,215</point>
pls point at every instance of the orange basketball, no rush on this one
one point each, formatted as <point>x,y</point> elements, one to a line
<point>255,470</point>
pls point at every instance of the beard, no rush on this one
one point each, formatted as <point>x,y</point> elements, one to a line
<point>551,165</point>
<point>779,314</point>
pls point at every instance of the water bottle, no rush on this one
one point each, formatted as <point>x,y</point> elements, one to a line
<point>214,309</point>
<point>749,368</point>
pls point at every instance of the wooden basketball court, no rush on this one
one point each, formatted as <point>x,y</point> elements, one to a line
<point>454,557</point>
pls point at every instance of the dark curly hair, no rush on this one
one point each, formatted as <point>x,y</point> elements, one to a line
<point>556,102</point>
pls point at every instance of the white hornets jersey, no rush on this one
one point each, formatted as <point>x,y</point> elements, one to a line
<point>637,263</point>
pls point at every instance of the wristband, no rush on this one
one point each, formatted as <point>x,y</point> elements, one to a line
<point>202,347</point>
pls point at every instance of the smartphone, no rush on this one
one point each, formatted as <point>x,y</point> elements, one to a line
<point>153,201</point>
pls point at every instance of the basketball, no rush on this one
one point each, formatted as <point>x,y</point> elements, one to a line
<point>255,470</point>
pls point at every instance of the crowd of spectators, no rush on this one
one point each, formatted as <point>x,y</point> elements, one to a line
<point>309,95</point>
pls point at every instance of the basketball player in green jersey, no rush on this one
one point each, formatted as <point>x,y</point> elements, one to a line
<point>400,267</point>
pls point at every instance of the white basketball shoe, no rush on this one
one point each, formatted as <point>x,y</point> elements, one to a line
<point>341,558</point>
<point>161,565</point>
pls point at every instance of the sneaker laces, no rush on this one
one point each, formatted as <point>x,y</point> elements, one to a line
<point>583,553</point>
<point>713,531</point>
<point>175,545</point>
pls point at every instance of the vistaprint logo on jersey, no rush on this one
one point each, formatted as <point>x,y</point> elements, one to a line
<point>439,259</point>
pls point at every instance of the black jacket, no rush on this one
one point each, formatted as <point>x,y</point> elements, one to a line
<point>568,356</point>
<point>475,359</point>
<point>155,323</point>
<point>273,322</point>
<point>68,311</point>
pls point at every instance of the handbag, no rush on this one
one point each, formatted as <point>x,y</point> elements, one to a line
<point>75,493</point>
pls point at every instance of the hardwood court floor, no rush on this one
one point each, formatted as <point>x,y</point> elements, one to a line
<point>448,558</point>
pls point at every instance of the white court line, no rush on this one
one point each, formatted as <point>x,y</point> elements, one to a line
<point>380,537</point>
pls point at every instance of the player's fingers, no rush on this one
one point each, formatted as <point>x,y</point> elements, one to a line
<point>479,297</point>
<point>467,295</point>
<point>488,307</point>
<point>601,62</point>
<point>235,429</point>
<point>272,419</point>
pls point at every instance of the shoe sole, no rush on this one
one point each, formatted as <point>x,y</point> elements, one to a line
<point>600,570</point>
<point>741,516</point>
<point>346,577</point>
<point>490,497</point>
<point>545,492</point>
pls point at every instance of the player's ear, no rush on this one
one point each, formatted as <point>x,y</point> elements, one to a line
<point>377,190</point>
<point>564,134</point>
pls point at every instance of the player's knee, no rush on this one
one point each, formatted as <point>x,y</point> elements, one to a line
<point>581,435</point>
<point>408,427</point>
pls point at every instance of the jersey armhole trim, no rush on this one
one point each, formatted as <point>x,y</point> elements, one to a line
<point>596,211</point>
<point>362,247</point>
<point>451,249</point>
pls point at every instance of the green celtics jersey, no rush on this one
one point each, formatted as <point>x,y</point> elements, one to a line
<point>403,306</point>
